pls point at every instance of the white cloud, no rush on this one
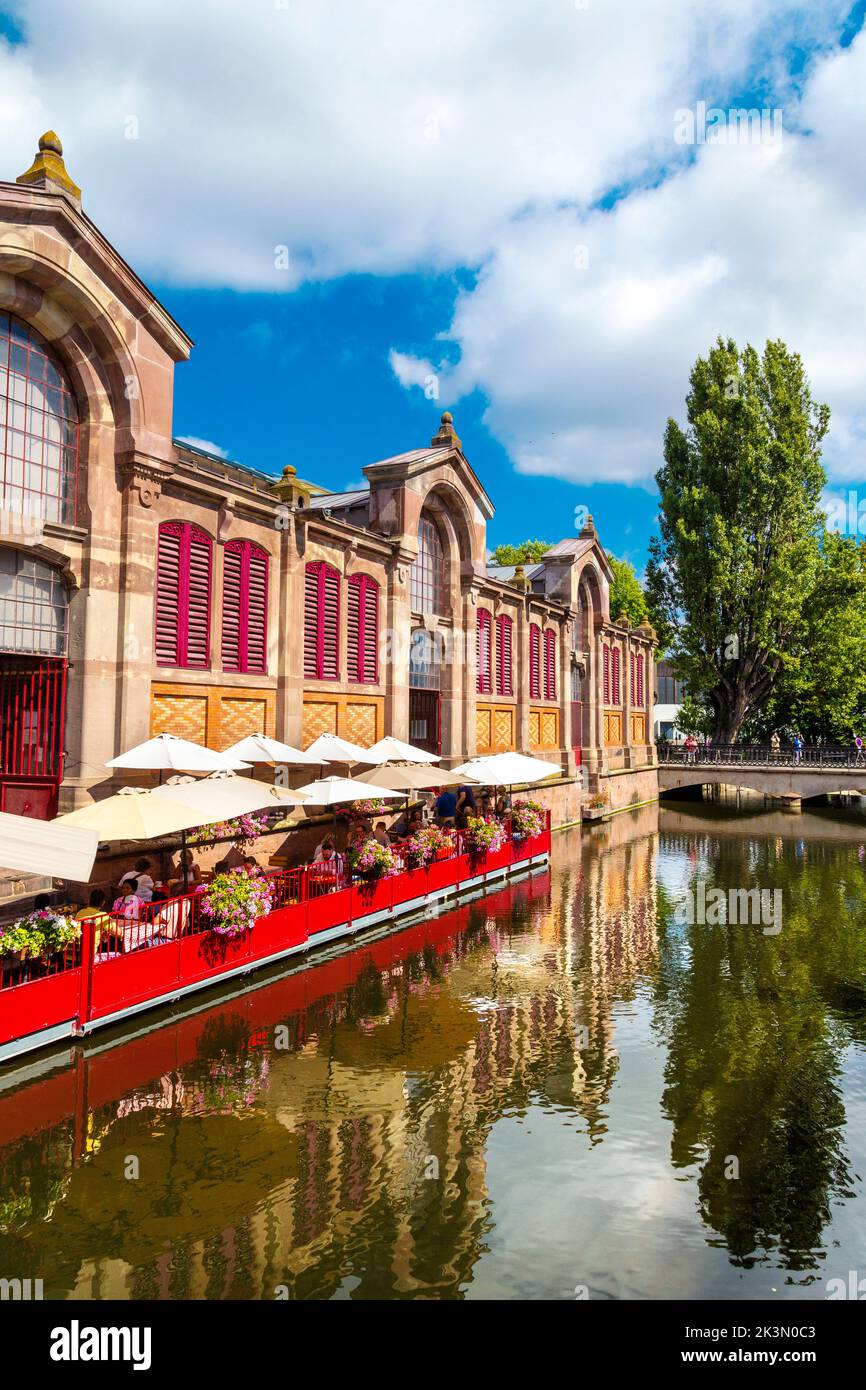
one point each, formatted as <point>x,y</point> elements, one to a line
<point>375,135</point>
<point>206,444</point>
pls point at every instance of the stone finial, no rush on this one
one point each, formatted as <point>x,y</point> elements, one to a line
<point>447,435</point>
<point>519,579</point>
<point>623,620</point>
<point>587,530</point>
<point>48,170</point>
<point>646,628</point>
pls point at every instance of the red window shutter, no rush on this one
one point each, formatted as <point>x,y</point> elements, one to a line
<point>353,629</point>
<point>639,667</point>
<point>167,627</point>
<point>504,685</point>
<point>198,604</point>
<point>311,622</point>
<point>256,609</point>
<point>483,653</point>
<point>321,622</point>
<point>606,672</point>
<point>631,676</point>
<point>615,692</point>
<point>370,631</point>
<point>231,635</point>
<point>534,662</point>
<point>550,665</point>
<point>183,578</point>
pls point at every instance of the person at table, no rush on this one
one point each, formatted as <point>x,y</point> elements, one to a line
<point>381,834</point>
<point>400,828</point>
<point>129,904</point>
<point>488,810</point>
<point>141,873</point>
<point>327,869</point>
<point>251,867</point>
<point>446,806</point>
<point>503,805</point>
<point>193,872</point>
<point>466,805</point>
<point>104,939</point>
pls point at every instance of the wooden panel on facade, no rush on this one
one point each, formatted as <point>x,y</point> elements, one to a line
<point>216,715</point>
<point>543,727</point>
<point>613,728</point>
<point>638,728</point>
<point>359,718</point>
<point>494,728</point>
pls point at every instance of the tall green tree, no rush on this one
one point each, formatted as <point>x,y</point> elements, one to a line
<point>626,594</point>
<point>738,558</point>
<point>523,554</point>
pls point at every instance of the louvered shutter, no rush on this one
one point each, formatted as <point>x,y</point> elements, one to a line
<point>483,684</point>
<point>330,624</point>
<point>606,667</point>
<point>504,684</point>
<point>256,610</point>
<point>232,580</point>
<point>354,620</point>
<point>198,599</point>
<point>311,622</point>
<point>631,675</point>
<point>639,664</point>
<point>370,673</point>
<point>550,665</point>
<point>167,626</point>
<point>534,662</point>
<point>614,676</point>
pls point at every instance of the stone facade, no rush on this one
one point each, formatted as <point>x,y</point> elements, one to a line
<point>118,348</point>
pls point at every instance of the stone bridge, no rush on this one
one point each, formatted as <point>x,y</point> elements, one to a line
<point>818,771</point>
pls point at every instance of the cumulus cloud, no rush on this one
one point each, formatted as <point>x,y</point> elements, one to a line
<point>262,146</point>
<point>206,444</point>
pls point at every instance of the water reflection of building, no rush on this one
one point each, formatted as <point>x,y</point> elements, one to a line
<point>364,1143</point>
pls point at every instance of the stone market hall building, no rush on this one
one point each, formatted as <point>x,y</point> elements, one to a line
<point>147,586</point>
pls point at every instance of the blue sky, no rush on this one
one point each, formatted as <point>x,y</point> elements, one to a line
<point>490,194</point>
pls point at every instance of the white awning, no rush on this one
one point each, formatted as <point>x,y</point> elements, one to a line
<point>31,846</point>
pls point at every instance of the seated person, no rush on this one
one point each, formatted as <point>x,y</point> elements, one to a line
<point>503,804</point>
<point>193,873</point>
<point>446,807</point>
<point>105,940</point>
<point>327,867</point>
<point>381,834</point>
<point>488,810</point>
<point>400,828</point>
<point>129,904</point>
<point>466,805</point>
<point>141,873</point>
<point>251,867</point>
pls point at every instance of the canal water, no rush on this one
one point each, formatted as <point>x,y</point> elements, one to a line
<point>561,1090</point>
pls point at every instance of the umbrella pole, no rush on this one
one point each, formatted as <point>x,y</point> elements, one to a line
<point>183,860</point>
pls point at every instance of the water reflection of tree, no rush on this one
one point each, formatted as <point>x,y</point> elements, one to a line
<point>754,1025</point>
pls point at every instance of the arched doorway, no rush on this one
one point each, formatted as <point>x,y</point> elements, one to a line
<point>425,690</point>
<point>33,638</point>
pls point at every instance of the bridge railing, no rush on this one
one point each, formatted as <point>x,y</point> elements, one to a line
<point>826,755</point>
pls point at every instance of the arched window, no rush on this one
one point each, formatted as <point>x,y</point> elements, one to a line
<point>428,571</point>
<point>183,580</point>
<point>504,681</point>
<point>534,661</point>
<point>38,426</point>
<point>321,622</point>
<point>550,664</point>
<point>425,660</point>
<point>483,652</point>
<point>362,630</point>
<point>245,607</point>
<point>33,606</point>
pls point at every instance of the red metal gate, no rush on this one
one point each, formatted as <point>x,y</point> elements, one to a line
<point>32,717</point>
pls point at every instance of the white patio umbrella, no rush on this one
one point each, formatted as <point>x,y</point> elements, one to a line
<point>409,777</point>
<point>222,795</point>
<point>167,752</point>
<point>505,769</point>
<point>259,748</point>
<point>330,748</point>
<point>336,791</point>
<point>31,846</point>
<point>133,813</point>
<point>394,750</point>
